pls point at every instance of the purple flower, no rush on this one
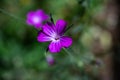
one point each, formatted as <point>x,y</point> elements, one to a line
<point>50,59</point>
<point>36,18</point>
<point>54,33</point>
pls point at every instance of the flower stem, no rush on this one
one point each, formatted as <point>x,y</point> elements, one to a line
<point>69,53</point>
<point>69,27</point>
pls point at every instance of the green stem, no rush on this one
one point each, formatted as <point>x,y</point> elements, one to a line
<point>13,16</point>
<point>68,27</point>
<point>70,54</point>
<point>67,51</point>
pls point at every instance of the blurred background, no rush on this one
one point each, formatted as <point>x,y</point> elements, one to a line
<point>94,41</point>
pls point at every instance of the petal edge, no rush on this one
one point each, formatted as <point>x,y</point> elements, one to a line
<point>42,37</point>
<point>55,47</point>
<point>61,26</point>
<point>66,41</point>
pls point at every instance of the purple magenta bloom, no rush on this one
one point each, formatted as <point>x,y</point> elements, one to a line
<point>36,18</point>
<point>54,33</point>
<point>50,59</point>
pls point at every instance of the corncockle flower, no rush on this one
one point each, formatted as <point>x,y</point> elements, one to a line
<point>36,18</point>
<point>50,59</point>
<point>55,34</point>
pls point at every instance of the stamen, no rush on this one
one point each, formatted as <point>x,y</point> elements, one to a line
<point>57,38</point>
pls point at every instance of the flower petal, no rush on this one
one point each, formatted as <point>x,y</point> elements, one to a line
<point>42,37</point>
<point>48,28</point>
<point>36,18</point>
<point>29,18</point>
<point>55,47</point>
<point>42,14</point>
<point>38,25</point>
<point>33,19</point>
<point>66,41</point>
<point>30,14</point>
<point>29,22</point>
<point>61,26</point>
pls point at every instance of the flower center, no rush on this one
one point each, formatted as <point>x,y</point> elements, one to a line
<point>57,38</point>
<point>36,19</point>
